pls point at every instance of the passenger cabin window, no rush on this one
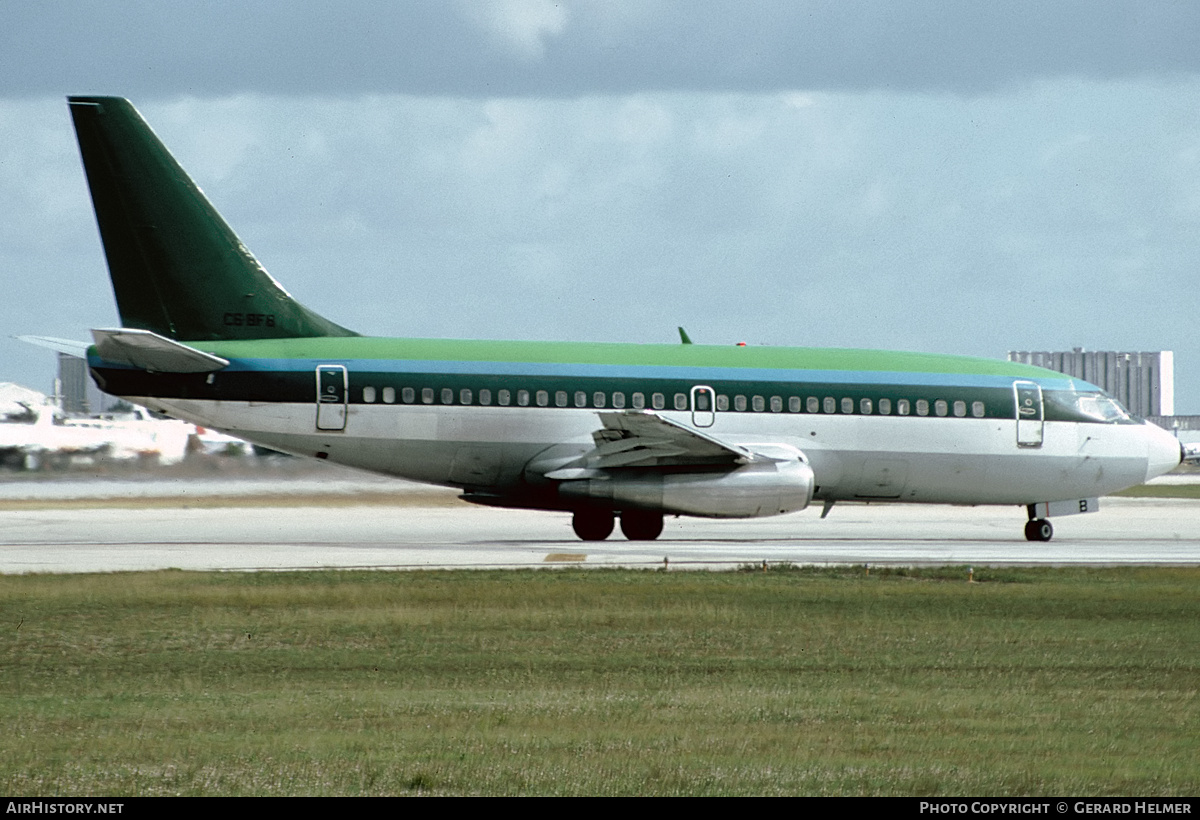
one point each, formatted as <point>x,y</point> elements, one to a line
<point>427,395</point>
<point>560,398</point>
<point>447,396</point>
<point>739,403</point>
<point>757,403</point>
<point>977,409</point>
<point>940,407</point>
<point>864,407</point>
<point>902,407</point>
<point>522,398</point>
<point>598,399</point>
<point>814,404</point>
<point>659,401</point>
<point>885,407</point>
<point>830,404</point>
<point>580,398</point>
<point>794,404</point>
<point>960,408</point>
<point>922,407</point>
<point>681,401</point>
<point>409,395</point>
<point>776,404</point>
<point>639,401</point>
<point>504,398</point>
<point>465,396</point>
<point>485,397</point>
<point>369,395</point>
<point>618,400</point>
<point>722,402</point>
<point>847,405</point>
<point>543,398</point>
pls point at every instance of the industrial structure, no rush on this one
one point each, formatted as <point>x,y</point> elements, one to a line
<point>77,393</point>
<point>1142,381</point>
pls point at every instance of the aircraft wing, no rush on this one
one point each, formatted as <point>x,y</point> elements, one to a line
<point>149,351</point>
<point>642,438</point>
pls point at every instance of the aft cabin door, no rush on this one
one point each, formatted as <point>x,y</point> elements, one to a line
<point>1030,418</point>
<point>331,397</point>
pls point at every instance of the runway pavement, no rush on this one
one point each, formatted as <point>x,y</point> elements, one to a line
<point>425,531</point>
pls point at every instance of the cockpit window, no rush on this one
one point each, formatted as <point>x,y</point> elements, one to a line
<point>1102,407</point>
<point>1095,407</point>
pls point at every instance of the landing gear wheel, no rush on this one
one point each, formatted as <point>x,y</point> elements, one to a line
<point>641,525</point>
<point>592,525</point>
<point>1038,529</point>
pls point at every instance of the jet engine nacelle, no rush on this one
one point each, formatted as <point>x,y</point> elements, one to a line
<point>779,481</point>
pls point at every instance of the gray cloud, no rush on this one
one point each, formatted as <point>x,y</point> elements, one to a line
<point>537,48</point>
<point>949,177</point>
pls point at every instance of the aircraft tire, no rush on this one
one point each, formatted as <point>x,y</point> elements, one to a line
<point>1038,529</point>
<point>592,525</point>
<point>641,525</point>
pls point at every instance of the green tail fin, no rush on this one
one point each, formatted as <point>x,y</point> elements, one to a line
<point>177,268</point>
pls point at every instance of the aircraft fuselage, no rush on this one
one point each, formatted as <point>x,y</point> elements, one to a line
<point>495,418</point>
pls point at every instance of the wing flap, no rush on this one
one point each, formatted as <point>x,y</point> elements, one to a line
<point>653,432</point>
<point>634,439</point>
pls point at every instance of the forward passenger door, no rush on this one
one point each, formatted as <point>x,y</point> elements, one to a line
<point>1030,414</point>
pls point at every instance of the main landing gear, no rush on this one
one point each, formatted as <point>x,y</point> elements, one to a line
<point>592,525</point>
<point>636,525</point>
<point>641,525</point>
<point>1038,529</point>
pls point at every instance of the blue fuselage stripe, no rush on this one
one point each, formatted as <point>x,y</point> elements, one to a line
<point>698,375</point>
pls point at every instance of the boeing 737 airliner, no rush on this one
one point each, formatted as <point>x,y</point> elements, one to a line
<point>605,431</point>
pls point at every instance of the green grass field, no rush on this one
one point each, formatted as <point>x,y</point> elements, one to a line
<point>793,681</point>
<point>1162,491</point>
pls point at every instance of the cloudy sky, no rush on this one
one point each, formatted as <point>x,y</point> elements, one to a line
<point>954,177</point>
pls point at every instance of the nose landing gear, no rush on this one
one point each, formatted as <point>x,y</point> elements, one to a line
<point>1038,529</point>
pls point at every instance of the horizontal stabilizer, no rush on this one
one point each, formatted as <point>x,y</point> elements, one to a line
<point>68,346</point>
<point>149,351</point>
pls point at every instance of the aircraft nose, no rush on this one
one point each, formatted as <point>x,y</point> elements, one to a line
<point>1163,451</point>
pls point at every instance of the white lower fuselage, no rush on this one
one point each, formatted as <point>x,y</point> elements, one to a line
<point>917,460</point>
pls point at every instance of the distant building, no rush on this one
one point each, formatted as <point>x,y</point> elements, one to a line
<point>72,384</point>
<point>1143,382</point>
<point>76,390</point>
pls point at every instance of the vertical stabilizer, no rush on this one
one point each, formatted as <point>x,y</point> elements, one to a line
<point>177,268</point>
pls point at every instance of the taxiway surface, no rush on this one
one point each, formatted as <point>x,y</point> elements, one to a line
<point>424,532</point>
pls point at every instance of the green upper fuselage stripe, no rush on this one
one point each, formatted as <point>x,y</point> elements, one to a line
<point>257,372</point>
<point>766,363</point>
<point>692,375</point>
